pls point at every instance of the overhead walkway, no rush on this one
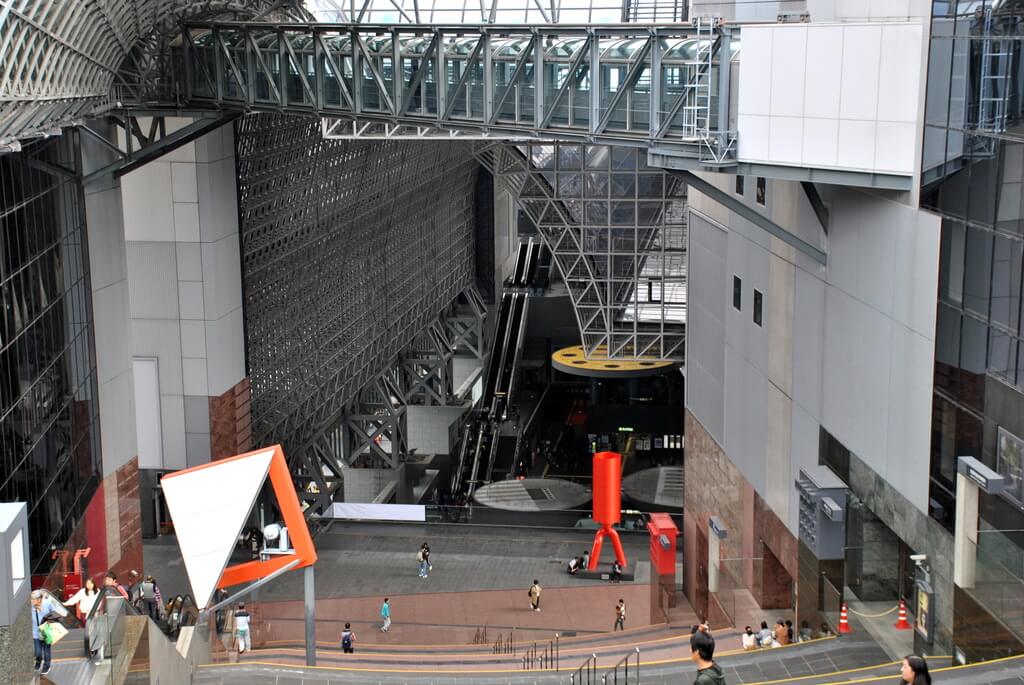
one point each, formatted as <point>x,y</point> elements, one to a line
<point>624,84</point>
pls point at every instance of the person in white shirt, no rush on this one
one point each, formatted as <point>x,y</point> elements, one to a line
<point>242,629</point>
<point>85,598</point>
<point>750,640</point>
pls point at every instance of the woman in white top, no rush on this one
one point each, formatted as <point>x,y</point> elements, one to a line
<point>85,598</point>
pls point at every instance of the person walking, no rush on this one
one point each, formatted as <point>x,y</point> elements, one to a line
<point>616,574</point>
<point>85,598</point>
<point>110,583</point>
<point>242,629</point>
<point>385,612</point>
<point>348,640</point>
<point>620,616</point>
<point>535,591</point>
<point>152,600</point>
<point>702,652</point>
<point>42,607</point>
<point>915,671</point>
<point>421,563</point>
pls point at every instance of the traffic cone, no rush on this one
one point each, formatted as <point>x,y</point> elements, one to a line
<point>844,622</point>
<point>902,623</point>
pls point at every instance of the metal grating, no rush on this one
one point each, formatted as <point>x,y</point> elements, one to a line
<point>349,250</point>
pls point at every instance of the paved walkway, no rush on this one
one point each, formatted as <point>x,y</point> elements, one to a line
<point>377,559</point>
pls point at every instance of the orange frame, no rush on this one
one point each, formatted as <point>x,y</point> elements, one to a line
<point>298,532</point>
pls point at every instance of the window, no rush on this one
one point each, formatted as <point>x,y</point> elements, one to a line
<point>761,190</point>
<point>757,307</point>
<point>739,185</point>
<point>1009,463</point>
<point>737,293</point>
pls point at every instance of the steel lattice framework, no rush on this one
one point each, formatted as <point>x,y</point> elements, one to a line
<point>349,252</point>
<point>617,230</point>
<point>65,60</point>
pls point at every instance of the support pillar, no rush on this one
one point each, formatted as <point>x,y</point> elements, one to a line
<point>309,598</point>
<point>716,532</point>
<point>971,477</point>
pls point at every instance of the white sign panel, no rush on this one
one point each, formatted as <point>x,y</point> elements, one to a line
<point>378,512</point>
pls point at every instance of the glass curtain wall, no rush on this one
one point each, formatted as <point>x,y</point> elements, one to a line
<point>49,427</point>
<point>973,176</point>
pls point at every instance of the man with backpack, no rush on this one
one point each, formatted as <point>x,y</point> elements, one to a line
<point>152,601</point>
<point>348,640</point>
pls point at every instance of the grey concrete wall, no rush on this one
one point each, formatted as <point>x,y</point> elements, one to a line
<point>428,428</point>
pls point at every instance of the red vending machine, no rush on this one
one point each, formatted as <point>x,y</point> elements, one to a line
<point>663,534</point>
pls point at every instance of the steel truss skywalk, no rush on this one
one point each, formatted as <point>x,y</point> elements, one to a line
<point>623,84</point>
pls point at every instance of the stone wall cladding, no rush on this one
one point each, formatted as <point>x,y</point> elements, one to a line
<point>714,486</point>
<point>16,655</point>
<point>923,533</point>
<point>231,422</point>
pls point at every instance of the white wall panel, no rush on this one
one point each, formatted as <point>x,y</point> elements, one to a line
<point>820,142</point>
<point>172,416</point>
<point>756,73</point>
<point>786,140</point>
<point>153,275</point>
<point>856,145</point>
<point>860,75</point>
<point>824,61</point>
<point>222,277</point>
<point>147,413</point>
<point>789,57</point>
<point>148,214</point>
<point>225,352</point>
<point>186,221</point>
<point>194,376</point>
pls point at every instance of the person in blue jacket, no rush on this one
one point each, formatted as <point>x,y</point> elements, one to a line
<point>41,608</point>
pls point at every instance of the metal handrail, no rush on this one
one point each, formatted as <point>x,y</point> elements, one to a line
<point>588,668</point>
<point>548,658</point>
<point>611,676</point>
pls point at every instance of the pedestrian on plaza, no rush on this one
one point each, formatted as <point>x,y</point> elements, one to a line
<point>534,593</point>
<point>749,639</point>
<point>765,635</point>
<point>421,559</point>
<point>242,628</point>
<point>152,600</point>
<point>348,640</point>
<point>85,598</point>
<point>112,586</point>
<point>385,612</point>
<point>780,632</point>
<point>616,574</point>
<point>620,616</point>
<point>915,671</point>
<point>43,612</point>
<point>702,652</point>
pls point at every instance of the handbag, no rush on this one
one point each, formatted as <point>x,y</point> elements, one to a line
<point>52,632</point>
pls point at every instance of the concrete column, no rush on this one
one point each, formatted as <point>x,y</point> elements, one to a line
<point>184,271</point>
<point>965,534</point>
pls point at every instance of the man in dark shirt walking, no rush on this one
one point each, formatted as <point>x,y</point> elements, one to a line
<point>702,651</point>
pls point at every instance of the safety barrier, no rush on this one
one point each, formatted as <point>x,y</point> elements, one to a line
<point>535,657</point>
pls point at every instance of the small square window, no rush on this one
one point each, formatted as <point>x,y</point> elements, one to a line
<point>757,307</point>
<point>761,190</point>
<point>737,293</point>
<point>739,185</point>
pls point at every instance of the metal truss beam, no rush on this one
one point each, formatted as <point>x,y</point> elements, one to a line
<point>476,80</point>
<point>152,144</point>
<point>616,230</point>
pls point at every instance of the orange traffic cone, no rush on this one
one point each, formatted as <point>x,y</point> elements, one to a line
<point>902,623</point>
<point>844,622</point>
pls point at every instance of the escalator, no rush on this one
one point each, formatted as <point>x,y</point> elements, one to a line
<point>480,444</point>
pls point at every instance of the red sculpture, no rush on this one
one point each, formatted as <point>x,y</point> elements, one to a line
<point>607,505</point>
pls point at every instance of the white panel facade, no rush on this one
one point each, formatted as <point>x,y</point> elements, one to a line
<point>848,348</point>
<point>180,238</point>
<point>832,96</point>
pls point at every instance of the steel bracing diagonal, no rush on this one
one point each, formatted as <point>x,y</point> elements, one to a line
<point>617,231</point>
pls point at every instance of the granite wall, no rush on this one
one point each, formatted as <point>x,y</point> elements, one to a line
<point>16,655</point>
<point>920,531</point>
<point>231,422</point>
<point>758,554</point>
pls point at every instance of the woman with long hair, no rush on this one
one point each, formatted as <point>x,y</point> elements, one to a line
<point>915,671</point>
<point>85,598</point>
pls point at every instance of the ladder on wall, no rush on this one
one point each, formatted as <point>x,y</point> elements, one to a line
<point>994,79</point>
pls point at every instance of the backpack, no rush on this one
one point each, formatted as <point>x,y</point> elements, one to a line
<point>346,640</point>
<point>419,555</point>
<point>148,590</point>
